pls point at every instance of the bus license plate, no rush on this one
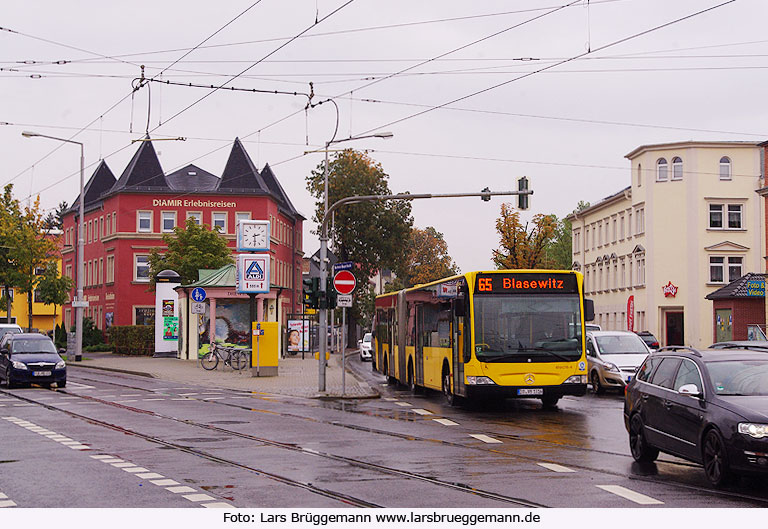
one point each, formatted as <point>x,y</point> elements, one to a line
<point>530,391</point>
<point>42,373</point>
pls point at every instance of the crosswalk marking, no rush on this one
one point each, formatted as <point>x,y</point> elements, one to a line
<point>555,467</point>
<point>446,422</point>
<point>403,404</point>
<point>631,495</point>
<point>421,411</point>
<point>484,438</point>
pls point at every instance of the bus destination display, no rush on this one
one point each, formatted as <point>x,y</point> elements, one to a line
<point>513,283</point>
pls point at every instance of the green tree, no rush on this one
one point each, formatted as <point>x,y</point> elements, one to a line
<point>559,250</point>
<point>28,248</point>
<point>370,234</point>
<point>426,258</point>
<point>190,249</point>
<point>55,219</point>
<point>54,289</point>
<point>521,248</point>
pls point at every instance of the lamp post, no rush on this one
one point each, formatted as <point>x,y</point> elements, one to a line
<point>78,302</point>
<point>324,256</point>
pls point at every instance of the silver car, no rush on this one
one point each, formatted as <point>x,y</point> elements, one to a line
<point>613,358</point>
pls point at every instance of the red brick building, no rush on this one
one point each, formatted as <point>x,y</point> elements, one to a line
<point>126,217</point>
<point>738,308</point>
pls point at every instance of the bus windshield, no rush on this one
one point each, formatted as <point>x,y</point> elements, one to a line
<point>522,328</point>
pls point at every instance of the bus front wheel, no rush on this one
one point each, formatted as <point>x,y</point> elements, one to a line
<point>450,398</point>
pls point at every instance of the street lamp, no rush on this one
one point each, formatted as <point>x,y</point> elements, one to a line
<point>78,302</point>
<point>324,256</point>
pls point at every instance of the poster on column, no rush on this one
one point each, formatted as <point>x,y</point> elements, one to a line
<point>298,336</point>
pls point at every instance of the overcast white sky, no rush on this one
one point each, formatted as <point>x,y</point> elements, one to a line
<point>567,128</point>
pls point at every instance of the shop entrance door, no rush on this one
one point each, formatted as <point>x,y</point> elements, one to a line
<point>675,331</point>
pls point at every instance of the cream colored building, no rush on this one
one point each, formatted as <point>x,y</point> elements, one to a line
<point>689,223</point>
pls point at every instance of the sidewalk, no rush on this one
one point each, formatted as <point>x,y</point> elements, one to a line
<point>295,377</point>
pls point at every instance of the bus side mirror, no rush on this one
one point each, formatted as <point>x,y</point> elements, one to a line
<point>589,310</point>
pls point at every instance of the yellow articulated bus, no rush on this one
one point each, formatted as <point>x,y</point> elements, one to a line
<point>495,334</point>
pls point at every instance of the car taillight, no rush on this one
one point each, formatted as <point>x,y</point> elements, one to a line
<point>655,344</point>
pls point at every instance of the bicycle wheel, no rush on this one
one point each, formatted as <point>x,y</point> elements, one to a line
<point>210,361</point>
<point>239,360</point>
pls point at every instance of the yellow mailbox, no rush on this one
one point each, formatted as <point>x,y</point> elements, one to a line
<point>265,339</point>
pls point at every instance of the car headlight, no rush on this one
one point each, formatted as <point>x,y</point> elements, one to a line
<point>479,381</point>
<point>61,365</point>
<point>612,367</point>
<point>19,365</point>
<point>576,379</point>
<point>758,431</point>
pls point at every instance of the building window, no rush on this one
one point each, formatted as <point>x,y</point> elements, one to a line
<point>220,221</point>
<point>725,168</point>
<point>101,270</point>
<point>197,216</point>
<point>242,215</point>
<point>717,266</point>
<point>661,170</point>
<point>640,219</point>
<point>677,168</point>
<point>640,268</point>
<point>621,227</point>
<point>141,268</point>
<point>68,272</point>
<point>623,274</point>
<point>615,232</point>
<point>639,175</point>
<point>599,234</point>
<point>735,220</point>
<point>114,222</point>
<point>576,240</point>
<point>629,225</point>
<point>90,231</point>
<point>169,221</point>
<point>144,221</point>
<point>143,315</point>
<point>110,269</point>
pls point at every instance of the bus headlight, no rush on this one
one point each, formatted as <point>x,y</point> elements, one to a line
<point>479,381</point>
<point>576,379</point>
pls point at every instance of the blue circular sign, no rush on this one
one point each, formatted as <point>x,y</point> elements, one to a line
<point>198,294</point>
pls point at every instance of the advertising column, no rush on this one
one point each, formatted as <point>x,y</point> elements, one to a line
<point>166,314</point>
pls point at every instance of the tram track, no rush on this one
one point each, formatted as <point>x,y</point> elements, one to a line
<point>344,498</point>
<point>410,437</point>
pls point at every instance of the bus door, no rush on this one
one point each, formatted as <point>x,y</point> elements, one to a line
<point>418,368</point>
<point>402,333</point>
<point>459,341</point>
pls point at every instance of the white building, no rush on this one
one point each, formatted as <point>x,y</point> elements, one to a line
<point>689,223</point>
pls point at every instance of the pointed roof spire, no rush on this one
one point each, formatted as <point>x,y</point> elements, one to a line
<point>278,192</point>
<point>240,173</point>
<point>100,182</point>
<point>143,172</point>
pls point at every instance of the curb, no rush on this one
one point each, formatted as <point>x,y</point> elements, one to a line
<point>115,370</point>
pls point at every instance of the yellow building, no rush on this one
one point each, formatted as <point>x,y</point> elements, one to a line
<point>689,223</point>
<point>43,318</point>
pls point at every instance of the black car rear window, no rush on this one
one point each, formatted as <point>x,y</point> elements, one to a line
<point>664,376</point>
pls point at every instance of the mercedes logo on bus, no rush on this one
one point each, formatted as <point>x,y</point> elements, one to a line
<point>530,379</point>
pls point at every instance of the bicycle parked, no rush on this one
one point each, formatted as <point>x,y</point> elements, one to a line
<point>233,357</point>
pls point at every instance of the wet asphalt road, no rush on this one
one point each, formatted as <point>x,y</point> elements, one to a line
<point>118,440</point>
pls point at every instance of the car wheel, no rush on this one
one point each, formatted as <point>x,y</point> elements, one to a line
<point>61,384</point>
<point>597,388</point>
<point>715,459</point>
<point>412,387</point>
<point>642,452</point>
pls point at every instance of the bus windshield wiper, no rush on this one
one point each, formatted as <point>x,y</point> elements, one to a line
<point>545,350</point>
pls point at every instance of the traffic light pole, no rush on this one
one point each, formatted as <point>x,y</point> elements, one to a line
<point>485,195</point>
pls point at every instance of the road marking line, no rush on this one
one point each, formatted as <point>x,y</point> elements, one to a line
<point>131,395</point>
<point>7,503</point>
<point>113,460</point>
<point>62,439</point>
<point>184,398</point>
<point>124,464</point>
<point>150,475</point>
<point>421,411</point>
<point>484,438</point>
<point>187,394</point>
<point>446,422</point>
<point>213,398</point>
<point>389,399</point>
<point>404,404</point>
<point>164,482</point>
<point>125,401</point>
<point>80,447</point>
<point>240,397</point>
<point>133,470</point>
<point>22,405</point>
<point>102,456</point>
<point>218,505</point>
<point>151,399</point>
<point>81,386</point>
<point>631,495</point>
<point>198,497</point>
<point>179,490</point>
<point>555,468</point>
<point>71,443</point>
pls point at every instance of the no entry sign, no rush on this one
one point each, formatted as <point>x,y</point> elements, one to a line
<point>344,282</point>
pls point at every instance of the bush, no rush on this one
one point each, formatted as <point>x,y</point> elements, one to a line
<point>98,348</point>
<point>132,339</point>
<point>61,336</point>
<point>91,334</point>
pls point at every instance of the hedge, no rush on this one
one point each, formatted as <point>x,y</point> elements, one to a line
<point>132,339</point>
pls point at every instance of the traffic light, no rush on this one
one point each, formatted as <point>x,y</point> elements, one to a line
<point>330,295</point>
<point>522,200</point>
<point>311,291</point>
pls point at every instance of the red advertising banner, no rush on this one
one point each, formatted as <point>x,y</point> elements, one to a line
<point>631,313</point>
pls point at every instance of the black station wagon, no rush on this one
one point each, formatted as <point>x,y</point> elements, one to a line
<point>708,406</point>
